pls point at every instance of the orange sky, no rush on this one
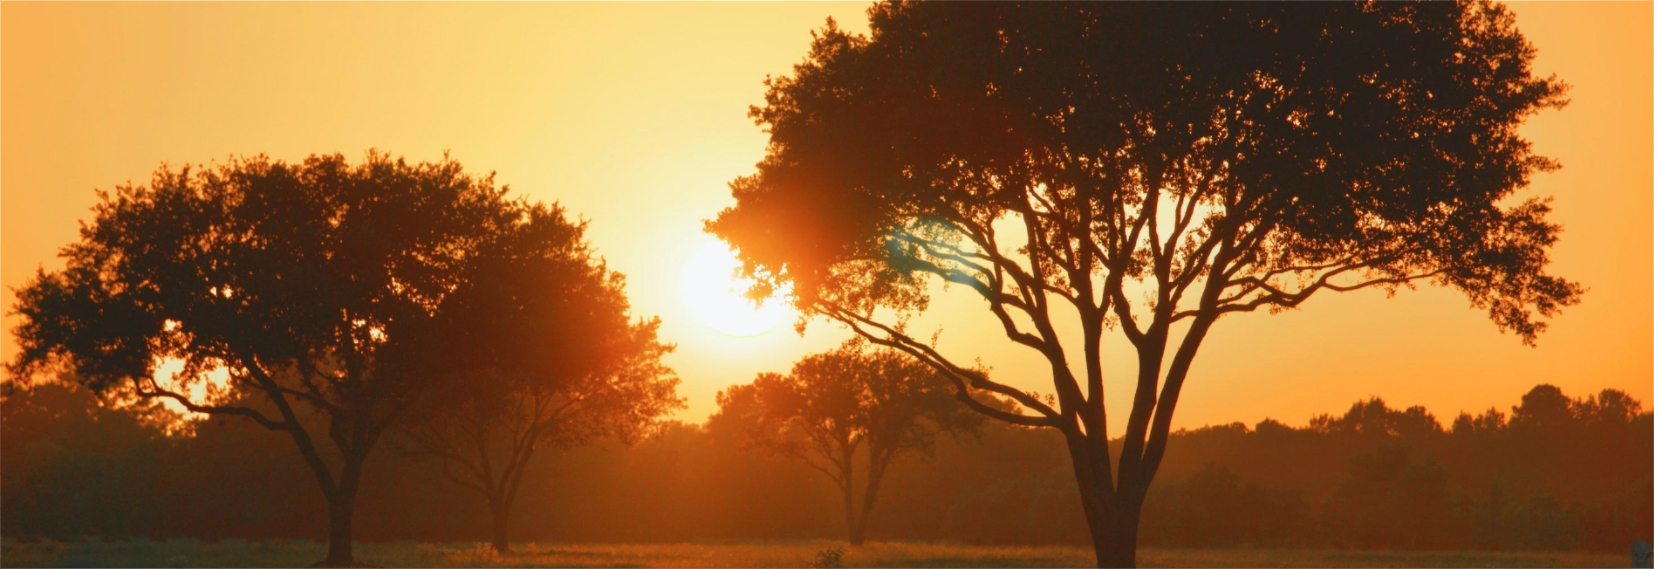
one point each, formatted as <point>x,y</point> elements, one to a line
<point>634,116</point>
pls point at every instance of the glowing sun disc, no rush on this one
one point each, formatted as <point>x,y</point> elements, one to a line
<point>713,291</point>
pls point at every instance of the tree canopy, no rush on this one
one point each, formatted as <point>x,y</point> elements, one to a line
<point>73,467</point>
<point>834,403</point>
<point>1151,168</point>
<point>307,287</point>
<point>536,345</point>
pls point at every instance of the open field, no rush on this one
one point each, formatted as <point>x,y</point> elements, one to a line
<point>295,553</point>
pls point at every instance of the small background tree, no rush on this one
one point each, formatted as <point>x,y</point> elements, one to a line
<point>833,404</point>
<point>540,348</point>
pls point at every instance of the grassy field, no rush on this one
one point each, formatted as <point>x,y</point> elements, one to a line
<point>290,553</point>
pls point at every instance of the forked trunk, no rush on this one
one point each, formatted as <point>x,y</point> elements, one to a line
<point>341,508</point>
<point>1111,514</point>
<point>1114,537</point>
<point>341,491</point>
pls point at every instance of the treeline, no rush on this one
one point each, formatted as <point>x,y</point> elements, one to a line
<point>1555,473</point>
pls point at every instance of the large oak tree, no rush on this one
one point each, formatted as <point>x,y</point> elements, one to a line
<point>286,292</point>
<point>1150,168</point>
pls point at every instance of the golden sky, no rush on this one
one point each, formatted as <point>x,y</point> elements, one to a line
<point>634,117</point>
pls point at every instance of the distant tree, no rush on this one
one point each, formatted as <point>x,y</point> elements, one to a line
<point>1152,167</point>
<point>1487,423</point>
<point>1544,407</point>
<point>75,466</point>
<point>1213,508</point>
<point>292,285</point>
<point>540,348</point>
<point>1373,417</point>
<point>1611,407</point>
<point>833,404</point>
<point>1389,501</point>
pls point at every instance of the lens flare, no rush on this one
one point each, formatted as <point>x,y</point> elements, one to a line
<point>715,293</point>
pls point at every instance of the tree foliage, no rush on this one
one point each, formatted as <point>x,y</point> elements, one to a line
<point>309,284</point>
<point>75,468</point>
<point>1150,168</point>
<point>536,346</point>
<point>833,404</point>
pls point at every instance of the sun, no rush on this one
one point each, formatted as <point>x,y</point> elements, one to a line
<point>714,292</point>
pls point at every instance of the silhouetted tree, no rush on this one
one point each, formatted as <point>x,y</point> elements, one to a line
<point>1543,407</point>
<point>1151,167</point>
<point>540,337</point>
<point>1389,501</point>
<point>1213,508</point>
<point>283,284</point>
<point>73,466</point>
<point>1373,417</point>
<point>1488,422</point>
<point>1610,407</point>
<point>76,466</point>
<point>834,403</point>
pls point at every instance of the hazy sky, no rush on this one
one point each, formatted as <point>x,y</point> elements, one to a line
<point>634,117</point>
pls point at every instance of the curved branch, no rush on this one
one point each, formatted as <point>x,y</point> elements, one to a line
<point>963,379</point>
<point>155,391</point>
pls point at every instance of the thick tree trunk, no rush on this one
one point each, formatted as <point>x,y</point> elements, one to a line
<point>341,508</point>
<point>1111,513</point>
<point>500,511</point>
<point>1114,530</point>
<point>1116,543</point>
<point>354,443</point>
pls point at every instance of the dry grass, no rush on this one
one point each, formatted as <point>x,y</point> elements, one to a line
<point>289,553</point>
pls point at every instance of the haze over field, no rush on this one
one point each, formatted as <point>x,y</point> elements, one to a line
<point>634,117</point>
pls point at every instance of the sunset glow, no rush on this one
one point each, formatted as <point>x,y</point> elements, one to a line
<point>1043,284</point>
<point>634,117</point>
<point>712,290</point>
